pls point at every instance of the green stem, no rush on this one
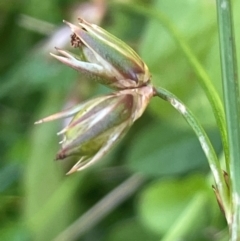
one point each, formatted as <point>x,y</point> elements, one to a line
<point>232,106</point>
<point>205,144</point>
<point>204,79</point>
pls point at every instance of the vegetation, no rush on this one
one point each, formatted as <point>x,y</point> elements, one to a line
<point>156,184</point>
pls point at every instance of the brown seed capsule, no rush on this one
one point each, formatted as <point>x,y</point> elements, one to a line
<point>99,123</point>
<point>107,59</point>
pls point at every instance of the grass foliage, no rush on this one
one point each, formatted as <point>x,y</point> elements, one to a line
<point>156,184</point>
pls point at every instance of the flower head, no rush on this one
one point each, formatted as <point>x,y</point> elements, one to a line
<point>104,58</point>
<point>99,123</point>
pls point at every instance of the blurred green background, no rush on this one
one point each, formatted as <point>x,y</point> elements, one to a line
<point>159,174</point>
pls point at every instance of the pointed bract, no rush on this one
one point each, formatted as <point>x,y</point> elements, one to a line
<point>99,123</point>
<point>107,59</point>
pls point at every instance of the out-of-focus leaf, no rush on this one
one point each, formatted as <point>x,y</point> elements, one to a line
<point>169,66</point>
<point>46,10</point>
<point>42,178</point>
<point>182,15</point>
<point>13,232</point>
<point>36,72</point>
<point>8,175</point>
<point>172,151</point>
<point>164,203</point>
<point>130,229</point>
<point>120,27</point>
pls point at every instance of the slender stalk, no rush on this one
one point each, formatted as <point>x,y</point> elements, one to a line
<point>204,79</point>
<point>232,106</point>
<point>101,209</point>
<point>205,144</point>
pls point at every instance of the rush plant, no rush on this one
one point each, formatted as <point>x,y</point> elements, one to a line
<point>98,124</point>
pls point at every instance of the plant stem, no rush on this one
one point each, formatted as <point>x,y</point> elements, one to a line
<point>232,106</point>
<point>205,144</point>
<point>204,79</point>
<point>101,209</point>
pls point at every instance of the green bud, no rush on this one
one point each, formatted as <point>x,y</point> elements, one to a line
<point>105,58</point>
<point>99,123</point>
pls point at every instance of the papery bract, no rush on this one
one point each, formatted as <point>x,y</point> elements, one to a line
<point>104,58</point>
<point>99,123</point>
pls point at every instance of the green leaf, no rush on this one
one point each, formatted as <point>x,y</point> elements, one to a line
<point>172,150</point>
<point>36,72</point>
<point>130,229</point>
<point>42,180</point>
<point>163,203</point>
<point>232,108</point>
